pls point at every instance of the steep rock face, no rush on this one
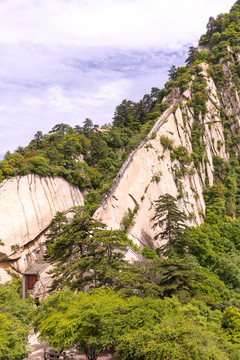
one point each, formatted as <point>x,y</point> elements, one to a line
<point>28,205</point>
<point>153,172</point>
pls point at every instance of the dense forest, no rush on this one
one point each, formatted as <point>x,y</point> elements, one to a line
<point>180,301</point>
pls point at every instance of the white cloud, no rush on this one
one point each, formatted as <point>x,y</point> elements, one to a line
<point>138,23</point>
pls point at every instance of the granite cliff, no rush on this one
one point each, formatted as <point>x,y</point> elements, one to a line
<point>162,164</point>
<point>28,205</point>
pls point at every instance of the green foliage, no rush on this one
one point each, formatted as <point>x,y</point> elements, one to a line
<point>154,135</point>
<point>231,324</point>
<point>174,277</point>
<point>192,55</point>
<point>208,287</point>
<point>176,338</point>
<point>182,155</point>
<point>215,245</point>
<point>224,194</point>
<point>200,97</point>
<point>128,219</point>
<point>173,73</point>
<point>157,177</point>
<point>136,328</point>
<point>198,146</point>
<point>14,323</point>
<point>85,254</point>
<point>166,142</point>
<point>88,321</point>
<point>149,253</point>
<point>170,220</point>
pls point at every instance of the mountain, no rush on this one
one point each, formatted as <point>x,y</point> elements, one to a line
<point>160,188</point>
<point>195,150</point>
<point>165,164</point>
<point>182,140</point>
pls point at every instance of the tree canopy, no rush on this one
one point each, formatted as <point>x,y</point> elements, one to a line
<point>14,323</point>
<point>135,328</point>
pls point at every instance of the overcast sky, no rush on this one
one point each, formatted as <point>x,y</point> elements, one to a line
<point>64,60</point>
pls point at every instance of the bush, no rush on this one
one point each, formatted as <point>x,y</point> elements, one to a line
<point>127,220</point>
<point>166,142</point>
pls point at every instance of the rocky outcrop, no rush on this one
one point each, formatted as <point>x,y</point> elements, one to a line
<point>28,205</point>
<point>153,172</point>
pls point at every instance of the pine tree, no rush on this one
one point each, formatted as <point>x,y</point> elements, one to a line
<point>84,253</point>
<point>173,73</point>
<point>192,53</point>
<point>170,220</point>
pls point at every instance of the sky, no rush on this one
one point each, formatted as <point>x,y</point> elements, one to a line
<point>63,61</point>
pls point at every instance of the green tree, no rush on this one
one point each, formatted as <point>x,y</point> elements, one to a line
<point>56,227</point>
<point>136,328</point>
<point>84,254</point>
<point>124,114</point>
<point>37,162</point>
<point>231,323</point>
<point>93,322</point>
<point>171,221</point>
<point>192,54</point>
<point>38,138</point>
<point>141,111</point>
<point>175,276</point>
<point>59,128</point>
<point>176,337</point>
<point>170,277</point>
<point>14,324</point>
<point>173,73</point>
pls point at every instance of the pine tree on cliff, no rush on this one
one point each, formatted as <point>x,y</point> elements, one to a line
<point>171,221</point>
<point>85,254</point>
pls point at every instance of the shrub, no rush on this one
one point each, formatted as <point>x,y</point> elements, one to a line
<point>166,142</point>
<point>128,219</point>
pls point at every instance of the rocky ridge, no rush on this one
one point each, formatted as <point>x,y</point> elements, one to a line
<point>152,172</point>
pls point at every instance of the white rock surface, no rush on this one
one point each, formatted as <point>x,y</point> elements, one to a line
<point>4,276</point>
<point>28,205</point>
